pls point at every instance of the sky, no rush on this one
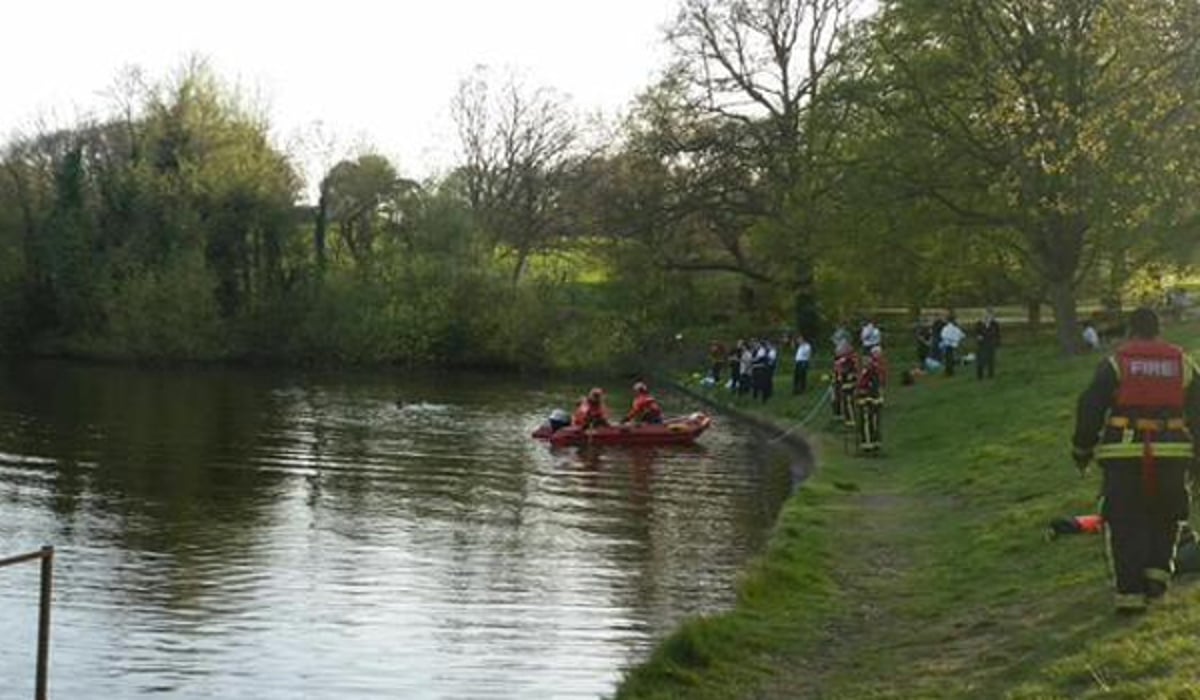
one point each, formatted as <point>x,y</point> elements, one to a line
<point>372,73</point>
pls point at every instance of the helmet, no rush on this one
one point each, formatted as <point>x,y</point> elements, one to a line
<point>640,387</point>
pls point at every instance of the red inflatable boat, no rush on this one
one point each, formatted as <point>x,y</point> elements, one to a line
<point>673,431</point>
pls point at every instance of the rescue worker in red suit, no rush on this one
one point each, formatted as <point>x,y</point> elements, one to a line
<point>845,377</point>
<point>645,408</point>
<point>591,412</point>
<point>1138,418</point>
<point>868,398</point>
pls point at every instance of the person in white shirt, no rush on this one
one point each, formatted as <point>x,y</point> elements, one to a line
<point>803,356</point>
<point>952,336</point>
<point>870,336</point>
<point>1091,339</point>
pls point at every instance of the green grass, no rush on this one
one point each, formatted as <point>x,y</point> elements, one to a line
<point>925,573</point>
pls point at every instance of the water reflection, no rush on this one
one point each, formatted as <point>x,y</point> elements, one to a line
<point>232,533</point>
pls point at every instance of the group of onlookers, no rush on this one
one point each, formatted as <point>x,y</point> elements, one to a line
<point>752,364</point>
<point>939,343</point>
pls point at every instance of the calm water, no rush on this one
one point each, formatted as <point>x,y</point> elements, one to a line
<point>232,534</point>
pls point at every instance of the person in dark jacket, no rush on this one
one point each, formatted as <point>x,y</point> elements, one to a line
<point>1138,418</point>
<point>987,339</point>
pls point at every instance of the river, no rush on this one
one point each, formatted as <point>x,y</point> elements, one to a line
<point>226,533</point>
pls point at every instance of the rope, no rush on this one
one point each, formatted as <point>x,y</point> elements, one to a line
<point>825,397</point>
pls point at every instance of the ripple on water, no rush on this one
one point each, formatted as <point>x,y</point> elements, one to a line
<point>235,534</point>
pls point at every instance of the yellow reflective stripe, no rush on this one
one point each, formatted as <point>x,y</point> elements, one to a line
<point>1122,422</point>
<point>1112,360</point>
<point>1158,575</point>
<point>1167,450</point>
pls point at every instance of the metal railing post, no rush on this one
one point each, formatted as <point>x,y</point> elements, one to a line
<point>46,554</point>
<point>43,650</point>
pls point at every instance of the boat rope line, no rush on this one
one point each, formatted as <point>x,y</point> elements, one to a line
<point>825,397</point>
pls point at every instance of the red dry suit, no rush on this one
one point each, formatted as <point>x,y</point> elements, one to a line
<point>645,409</point>
<point>590,414</point>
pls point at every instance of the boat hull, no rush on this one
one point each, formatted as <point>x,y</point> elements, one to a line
<point>676,431</point>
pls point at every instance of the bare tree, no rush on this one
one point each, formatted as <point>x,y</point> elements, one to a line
<point>519,151</point>
<point>763,65</point>
<point>749,123</point>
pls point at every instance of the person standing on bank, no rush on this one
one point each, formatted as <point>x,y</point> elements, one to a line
<point>870,337</point>
<point>1138,418</point>
<point>803,357</point>
<point>987,339</point>
<point>951,337</point>
<point>868,401</point>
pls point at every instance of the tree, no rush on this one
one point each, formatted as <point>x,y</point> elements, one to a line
<point>1050,121</point>
<point>755,80</point>
<point>361,197</point>
<point>520,147</point>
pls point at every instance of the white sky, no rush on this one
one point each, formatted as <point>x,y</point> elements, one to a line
<point>378,71</point>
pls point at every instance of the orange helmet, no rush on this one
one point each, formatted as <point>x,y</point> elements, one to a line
<point>640,387</point>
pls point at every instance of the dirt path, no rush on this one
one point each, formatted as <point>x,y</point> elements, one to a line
<point>871,570</point>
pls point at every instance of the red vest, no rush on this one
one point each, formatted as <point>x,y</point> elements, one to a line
<point>1151,377</point>
<point>645,408</point>
<point>845,367</point>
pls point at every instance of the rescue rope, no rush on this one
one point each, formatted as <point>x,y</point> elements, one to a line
<point>825,397</point>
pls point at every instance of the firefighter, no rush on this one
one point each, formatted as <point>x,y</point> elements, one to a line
<point>1137,418</point>
<point>645,407</point>
<point>845,377</point>
<point>591,411</point>
<point>868,397</point>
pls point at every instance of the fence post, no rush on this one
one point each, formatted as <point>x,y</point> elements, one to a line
<point>43,649</point>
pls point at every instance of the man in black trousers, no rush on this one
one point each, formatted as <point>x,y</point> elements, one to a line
<point>1139,419</point>
<point>987,339</point>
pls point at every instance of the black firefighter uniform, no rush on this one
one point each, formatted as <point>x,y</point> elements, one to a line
<point>1138,418</point>
<point>845,378</point>
<point>868,398</point>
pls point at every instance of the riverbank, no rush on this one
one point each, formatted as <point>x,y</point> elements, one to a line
<point>926,572</point>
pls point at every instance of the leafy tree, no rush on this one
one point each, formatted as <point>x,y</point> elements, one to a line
<point>1049,121</point>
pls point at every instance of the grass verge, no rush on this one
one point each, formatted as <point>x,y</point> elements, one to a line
<point>926,572</point>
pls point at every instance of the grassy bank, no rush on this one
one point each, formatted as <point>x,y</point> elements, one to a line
<point>926,573</point>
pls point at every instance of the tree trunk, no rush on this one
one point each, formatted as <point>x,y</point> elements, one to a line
<point>320,227</point>
<point>1062,299</point>
<point>1034,311</point>
<point>519,267</point>
<point>806,312</point>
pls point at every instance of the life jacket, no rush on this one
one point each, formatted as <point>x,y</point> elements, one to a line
<point>1152,379</point>
<point>1078,524</point>
<point>871,379</point>
<point>1147,416</point>
<point>845,368</point>
<point>645,408</point>
<point>589,414</point>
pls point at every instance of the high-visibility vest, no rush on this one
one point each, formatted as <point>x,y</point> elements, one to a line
<point>1147,415</point>
<point>1152,375</point>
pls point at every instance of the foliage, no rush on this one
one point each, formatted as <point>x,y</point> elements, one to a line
<point>797,162</point>
<point>1039,123</point>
